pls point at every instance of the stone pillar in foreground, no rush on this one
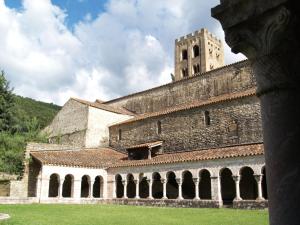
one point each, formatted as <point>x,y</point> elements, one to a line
<point>137,189</point>
<point>216,194</point>
<point>268,33</point>
<point>77,188</point>
<point>164,182</point>
<point>125,188</point>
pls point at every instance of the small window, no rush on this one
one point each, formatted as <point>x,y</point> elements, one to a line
<point>196,51</point>
<point>184,72</point>
<point>120,135</point>
<point>196,68</point>
<point>207,118</point>
<point>158,127</point>
<point>184,54</point>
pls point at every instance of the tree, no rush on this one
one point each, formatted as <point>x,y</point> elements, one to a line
<point>6,104</point>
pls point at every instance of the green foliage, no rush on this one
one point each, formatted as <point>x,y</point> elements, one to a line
<point>21,120</point>
<point>40,214</point>
<point>6,104</point>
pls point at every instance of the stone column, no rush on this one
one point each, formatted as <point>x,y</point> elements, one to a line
<point>164,182</point>
<point>237,188</point>
<point>179,182</point>
<point>258,179</point>
<point>77,189</point>
<point>137,189</point>
<point>91,188</point>
<point>125,188</point>
<point>150,182</point>
<point>216,189</point>
<point>45,188</point>
<point>114,184</point>
<point>196,182</point>
<point>60,188</point>
<point>267,32</point>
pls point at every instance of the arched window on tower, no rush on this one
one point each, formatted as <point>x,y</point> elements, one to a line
<point>196,51</point>
<point>184,73</point>
<point>196,69</point>
<point>184,54</point>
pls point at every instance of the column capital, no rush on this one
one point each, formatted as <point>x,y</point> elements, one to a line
<point>196,180</point>
<point>236,178</point>
<point>163,180</point>
<point>258,177</point>
<point>266,32</point>
<point>179,181</point>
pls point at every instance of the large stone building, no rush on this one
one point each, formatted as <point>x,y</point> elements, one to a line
<point>194,142</point>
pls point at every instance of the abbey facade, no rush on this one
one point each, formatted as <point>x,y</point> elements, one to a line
<point>195,142</point>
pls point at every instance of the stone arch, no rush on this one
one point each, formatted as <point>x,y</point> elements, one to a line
<point>188,185</point>
<point>227,186</point>
<point>196,51</point>
<point>119,186</point>
<point>85,186</point>
<point>54,186</point>
<point>248,184</point>
<point>157,186</point>
<point>98,187</point>
<point>172,186</point>
<point>68,186</point>
<point>131,189</point>
<point>143,186</point>
<point>264,183</point>
<point>204,184</point>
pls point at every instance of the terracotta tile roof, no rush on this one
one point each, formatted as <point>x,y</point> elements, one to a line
<point>102,106</point>
<point>226,67</point>
<point>195,104</point>
<point>145,145</point>
<point>200,155</point>
<point>91,158</point>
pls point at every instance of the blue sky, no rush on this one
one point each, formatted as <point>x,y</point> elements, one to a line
<point>76,10</point>
<point>96,49</point>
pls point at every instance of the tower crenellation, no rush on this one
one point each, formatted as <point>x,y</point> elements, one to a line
<point>196,53</point>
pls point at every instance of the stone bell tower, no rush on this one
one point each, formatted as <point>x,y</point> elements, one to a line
<point>197,53</point>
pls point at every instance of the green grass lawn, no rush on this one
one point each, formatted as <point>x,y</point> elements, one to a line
<point>128,215</point>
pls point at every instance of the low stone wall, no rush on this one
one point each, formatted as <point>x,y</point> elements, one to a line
<point>167,203</point>
<point>250,204</point>
<point>10,200</point>
<point>4,187</point>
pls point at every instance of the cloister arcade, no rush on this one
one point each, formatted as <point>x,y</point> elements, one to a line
<point>240,184</point>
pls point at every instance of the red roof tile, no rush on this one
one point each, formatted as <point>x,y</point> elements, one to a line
<point>200,155</point>
<point>92,158</point>
<point>145,145</point>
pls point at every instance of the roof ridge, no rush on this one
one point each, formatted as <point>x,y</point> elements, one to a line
<point>178,81</point>
<point>194,104</point>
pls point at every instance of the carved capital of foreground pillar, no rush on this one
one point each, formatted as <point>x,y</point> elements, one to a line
<point>267,32</point>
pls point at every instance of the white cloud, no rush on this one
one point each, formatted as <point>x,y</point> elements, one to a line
<point>127,48</point>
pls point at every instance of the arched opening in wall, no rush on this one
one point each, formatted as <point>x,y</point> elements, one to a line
<point>227,186</point>
<point>158,131</point>
<point>53,186</point>
<point>205,185</point>
<point>188,185</point>
<point>131,189</point>
<point>157,186</point>
<point>144,188</point>
<point>196,51</point>
<point>184,54</point>
<point>172,186</point>
<point>184,73</point>
<point>85,186</point>
<point>264,184</point>
<point>98,187</point>
<point>248,184</point>
<point>119,186</point>
<point>207,118</point>
<point>35,172</point>
<point>196,69</point>
<point>68,186</point>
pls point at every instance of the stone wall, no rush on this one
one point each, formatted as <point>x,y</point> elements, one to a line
<point>70,124</point>
<point>4,187</point>
<point>233,122</point>
<point>229,79</point>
